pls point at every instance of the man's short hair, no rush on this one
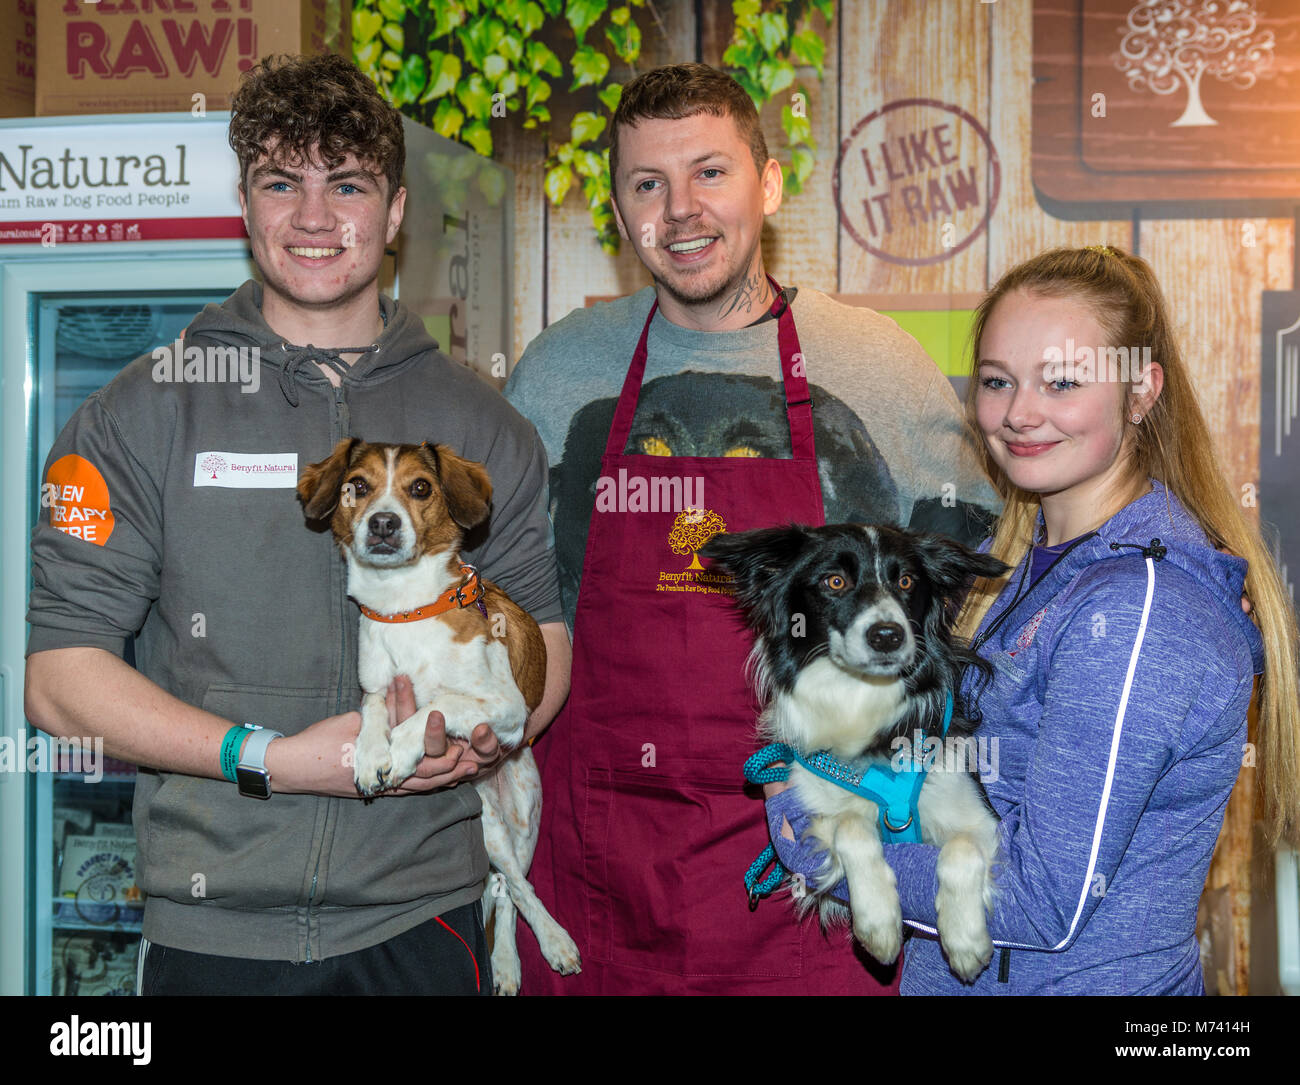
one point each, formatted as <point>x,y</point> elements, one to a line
<point>683,90</point>
<point>298,105</point>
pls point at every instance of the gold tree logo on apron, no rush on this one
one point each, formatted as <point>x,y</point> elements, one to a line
<point>691,530</point>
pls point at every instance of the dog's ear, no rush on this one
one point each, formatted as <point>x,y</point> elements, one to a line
<point>318,488</point>
<point>465,485</point>
<point>950,565</point>
<point>756,558</point>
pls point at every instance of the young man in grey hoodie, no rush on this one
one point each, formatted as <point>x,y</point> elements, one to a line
<point>239,611</point>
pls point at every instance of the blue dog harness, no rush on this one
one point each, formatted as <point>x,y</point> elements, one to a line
<point>895,791</point>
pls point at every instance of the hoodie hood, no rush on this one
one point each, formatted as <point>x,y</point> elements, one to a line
<point>237,322</point>
<point>1158,521</point>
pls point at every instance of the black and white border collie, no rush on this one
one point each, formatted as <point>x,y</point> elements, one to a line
<point>853,650</point>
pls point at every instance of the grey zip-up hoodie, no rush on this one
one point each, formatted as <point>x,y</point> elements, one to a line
<point>201,551</point>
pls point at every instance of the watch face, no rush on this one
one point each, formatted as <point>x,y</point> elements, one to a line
<point>255,783</point>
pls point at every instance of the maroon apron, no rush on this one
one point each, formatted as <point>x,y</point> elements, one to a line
<point>646,827</point>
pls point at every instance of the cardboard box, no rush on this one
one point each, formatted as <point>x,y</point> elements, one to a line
<point>100,868</point>
<point>155,56</point>
<point>17,58</point>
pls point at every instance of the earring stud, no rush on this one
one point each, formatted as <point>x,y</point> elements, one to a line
<point>1136,418</point>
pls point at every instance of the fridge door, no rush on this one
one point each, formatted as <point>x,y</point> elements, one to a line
<point>69,909</point>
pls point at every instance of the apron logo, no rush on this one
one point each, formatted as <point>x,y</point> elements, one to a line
<point>657,493</point>
<point>691,530</point>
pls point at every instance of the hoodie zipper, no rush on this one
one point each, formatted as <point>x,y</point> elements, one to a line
<point>340,423</point>
<point>1021,596</point>
<point>1004,956</point>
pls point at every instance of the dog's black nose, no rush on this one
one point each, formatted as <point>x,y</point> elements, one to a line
<point>885,636</point>
<point>384,524</point>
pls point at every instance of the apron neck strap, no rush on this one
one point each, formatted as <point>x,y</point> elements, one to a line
<point>794,374</point>
<point>798,403</point>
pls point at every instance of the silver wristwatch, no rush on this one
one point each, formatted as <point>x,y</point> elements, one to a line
<point>250,774</point>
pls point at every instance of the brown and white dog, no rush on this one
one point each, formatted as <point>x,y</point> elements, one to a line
<point>398,514</point>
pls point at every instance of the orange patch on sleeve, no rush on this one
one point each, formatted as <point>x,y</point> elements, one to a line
<point>78,499</point>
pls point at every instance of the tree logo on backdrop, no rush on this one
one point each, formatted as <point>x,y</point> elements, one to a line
<point>1169,45</point>
<point>916,181</point>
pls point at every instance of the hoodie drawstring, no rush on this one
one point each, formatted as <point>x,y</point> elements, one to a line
<point>1154,550</point>
<point>295,358</point>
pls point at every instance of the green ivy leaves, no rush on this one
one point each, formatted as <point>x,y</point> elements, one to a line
<point>589,67</point>
<point>582,15</point>
<point>764,51</point>
<point>455,65</point>
<point>586,127</point>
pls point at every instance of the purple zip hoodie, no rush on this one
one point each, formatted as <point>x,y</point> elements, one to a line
<point>1114,728</point>
<point>1118,706</point>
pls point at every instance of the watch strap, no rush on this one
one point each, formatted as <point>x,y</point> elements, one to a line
<point>254,753</point>
<point>252,762</point>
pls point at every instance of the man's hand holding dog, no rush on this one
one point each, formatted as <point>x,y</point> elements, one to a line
<point>313,761</point>
<point>446,761</point>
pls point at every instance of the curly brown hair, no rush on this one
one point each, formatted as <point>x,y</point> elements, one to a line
<point>683,90</point>
<point>304,105</point>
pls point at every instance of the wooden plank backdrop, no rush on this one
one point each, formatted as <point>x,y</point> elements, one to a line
<point>977,56</point>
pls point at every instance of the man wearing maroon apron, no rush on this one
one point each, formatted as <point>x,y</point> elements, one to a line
<point>647,827</point>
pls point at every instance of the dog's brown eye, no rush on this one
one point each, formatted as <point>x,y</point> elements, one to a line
<point>359,487</point>
<point>421,488</point>
<point>836,582</point>
<point>905,582</point>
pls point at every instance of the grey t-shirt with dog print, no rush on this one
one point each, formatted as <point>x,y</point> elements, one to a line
<point>892,445</point>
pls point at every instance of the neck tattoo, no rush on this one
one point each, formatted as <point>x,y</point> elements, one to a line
<point>753,288</point>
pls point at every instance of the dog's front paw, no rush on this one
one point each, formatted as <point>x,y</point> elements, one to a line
<point>968,960</point>
<point>960,909</point>
<point>510,734</point>
<point>406,748</point>
<point>372,765</point>
<point>881,935</point>
<point>883,943</point>
<point>963,933</point>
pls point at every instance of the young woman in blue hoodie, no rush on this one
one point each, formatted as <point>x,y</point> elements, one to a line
<point>1123,664</point>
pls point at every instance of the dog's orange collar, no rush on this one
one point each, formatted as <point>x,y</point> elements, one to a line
<point>468,592</point>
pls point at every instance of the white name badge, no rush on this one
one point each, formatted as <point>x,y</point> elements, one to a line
<point>238,470</point>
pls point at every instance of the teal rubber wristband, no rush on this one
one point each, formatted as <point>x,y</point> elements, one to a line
<point>231,747</point>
